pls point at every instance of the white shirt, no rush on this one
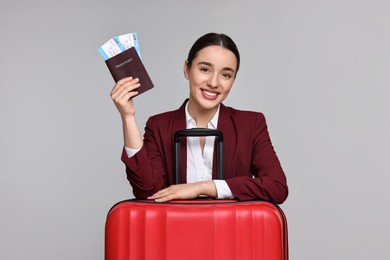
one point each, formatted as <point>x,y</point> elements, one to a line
<point>199,166</point>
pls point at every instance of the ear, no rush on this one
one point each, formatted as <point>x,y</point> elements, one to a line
<point>185,70</point>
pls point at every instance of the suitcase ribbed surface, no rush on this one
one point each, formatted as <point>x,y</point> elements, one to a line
<point>198,230</point>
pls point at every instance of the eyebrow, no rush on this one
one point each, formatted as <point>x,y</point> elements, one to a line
<point>211,65</point>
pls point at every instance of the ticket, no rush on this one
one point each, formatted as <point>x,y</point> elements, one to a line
<point>129,40</point>
<point>126,40</point>
<point>119,44</point>
<point>110,49</point>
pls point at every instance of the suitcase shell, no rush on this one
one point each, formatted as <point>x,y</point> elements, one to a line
<point>200,229</point>
<point>196,229</point>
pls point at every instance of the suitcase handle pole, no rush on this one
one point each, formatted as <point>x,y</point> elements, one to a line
<point>199,132</point>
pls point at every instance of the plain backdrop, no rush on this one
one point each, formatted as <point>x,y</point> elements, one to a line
<point>318,70</point>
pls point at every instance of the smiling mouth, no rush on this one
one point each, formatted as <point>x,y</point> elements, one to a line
<point>209,94</point>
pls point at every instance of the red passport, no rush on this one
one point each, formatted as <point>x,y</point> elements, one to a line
<point>129,64</point>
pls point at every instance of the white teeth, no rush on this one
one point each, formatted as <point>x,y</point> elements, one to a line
<point>209,93</point>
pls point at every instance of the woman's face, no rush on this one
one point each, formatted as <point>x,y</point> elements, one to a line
<point>211,76</point>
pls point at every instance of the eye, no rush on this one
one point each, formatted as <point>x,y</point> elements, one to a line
<point>227,75</point>
<point>204,69</point>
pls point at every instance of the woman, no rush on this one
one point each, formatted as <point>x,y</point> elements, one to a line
<point>252,169</point>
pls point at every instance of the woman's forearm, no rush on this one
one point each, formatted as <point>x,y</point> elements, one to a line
<point>131,134</point>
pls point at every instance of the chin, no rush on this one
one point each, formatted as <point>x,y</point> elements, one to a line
<point>209,104</point>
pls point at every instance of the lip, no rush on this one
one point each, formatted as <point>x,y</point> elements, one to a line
<point>209,94</point>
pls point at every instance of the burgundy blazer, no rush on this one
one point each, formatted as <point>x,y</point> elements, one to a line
<point>251,167</point>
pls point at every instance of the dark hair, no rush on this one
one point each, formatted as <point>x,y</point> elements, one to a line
<point>213,39</point>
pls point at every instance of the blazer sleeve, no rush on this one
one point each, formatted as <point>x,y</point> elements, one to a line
<point>266,180</point>
<point>146,170</point>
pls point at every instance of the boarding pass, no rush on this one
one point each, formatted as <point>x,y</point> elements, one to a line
<point>118,44</point>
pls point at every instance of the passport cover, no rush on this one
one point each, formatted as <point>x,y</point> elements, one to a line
<point>129,64</point>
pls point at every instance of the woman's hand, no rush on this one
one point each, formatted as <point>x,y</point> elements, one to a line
<point>185,191</point>
<point>122,94</point>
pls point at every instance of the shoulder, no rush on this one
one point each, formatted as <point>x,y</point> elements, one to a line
<point>173,118</point>
<point>245,122</point>
<point>238,114</point>
<point>161,121</point>
<point>165,116</point>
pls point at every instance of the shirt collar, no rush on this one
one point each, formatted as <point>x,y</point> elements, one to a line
<point>190,122</point>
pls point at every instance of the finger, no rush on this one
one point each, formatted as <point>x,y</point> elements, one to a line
<point>128,88</point>
<point>124,91</point>
<point>130,95</point>
<point>165,199</point>
<point>124,100</point>
<point>123,83</point>
<point>158,195</point>
<point>120,82</point>
<point>161,193</point>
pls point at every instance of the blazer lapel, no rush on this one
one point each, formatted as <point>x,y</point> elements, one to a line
<point>179,123</point>
<point>224,127</point>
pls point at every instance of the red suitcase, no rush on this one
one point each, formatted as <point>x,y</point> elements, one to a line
<point>196,229</point>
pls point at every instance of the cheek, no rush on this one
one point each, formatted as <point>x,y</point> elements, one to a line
<point>228,87</point>
<point>194,83</point>
<point>197,79</point>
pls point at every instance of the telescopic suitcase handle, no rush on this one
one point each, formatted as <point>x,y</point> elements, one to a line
<point>199,132</point>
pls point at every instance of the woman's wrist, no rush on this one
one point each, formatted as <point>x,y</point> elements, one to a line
<point>128,117</point>
<point>131,134</point>
<point>208,188</point>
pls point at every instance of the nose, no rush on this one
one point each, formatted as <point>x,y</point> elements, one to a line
<point>213,80</point>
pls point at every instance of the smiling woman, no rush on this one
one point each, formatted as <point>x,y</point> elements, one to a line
<point>252,169</point>
<point>211,76</point>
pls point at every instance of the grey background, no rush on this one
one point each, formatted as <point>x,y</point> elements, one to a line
<point>319,70</point>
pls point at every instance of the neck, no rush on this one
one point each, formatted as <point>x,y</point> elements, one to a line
<point>201,116</point>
